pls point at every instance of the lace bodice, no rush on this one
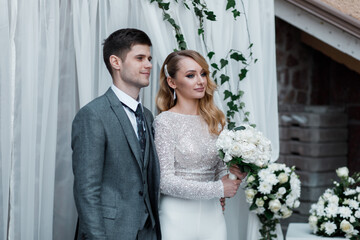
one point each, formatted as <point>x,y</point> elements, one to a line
<point>189,165</point>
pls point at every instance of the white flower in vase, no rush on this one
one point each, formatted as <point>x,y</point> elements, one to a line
<point>342,172</point>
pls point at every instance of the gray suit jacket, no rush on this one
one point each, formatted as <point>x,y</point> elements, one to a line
<point>115,188</point>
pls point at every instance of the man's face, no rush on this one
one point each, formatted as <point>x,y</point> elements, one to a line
<point>135,70</point>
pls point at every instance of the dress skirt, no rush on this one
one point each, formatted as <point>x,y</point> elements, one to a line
<point>184,219</point>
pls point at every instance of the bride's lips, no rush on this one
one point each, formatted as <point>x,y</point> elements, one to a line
<point>199,89</point>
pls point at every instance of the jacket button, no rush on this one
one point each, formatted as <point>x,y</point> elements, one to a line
<point>141,193</point>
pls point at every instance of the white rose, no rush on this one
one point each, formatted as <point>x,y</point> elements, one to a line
<point>227,158</point>
<point>290,201</point>
<point>345,226</point>
<point>342,172</point>
<point>259,202</point>
<point>283,178</point>
<point>274,205</point>
<point>235,149</point>
<point>334,199</point>
<point>296,204</point>
<point>313,221</point>
<point>352,219</point>
<point>250,193</point>
<point>286,212</point>
<point>357,214</point>
<point>282,191</point>
<point>359,197</point>
<point>250,179</point>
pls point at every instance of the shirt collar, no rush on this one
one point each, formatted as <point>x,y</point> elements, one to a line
<point>126,99</point>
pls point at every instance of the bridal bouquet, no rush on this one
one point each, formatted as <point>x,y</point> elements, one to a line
<point>337,211</point>
<point>244,146</point>
<point>272,193</point>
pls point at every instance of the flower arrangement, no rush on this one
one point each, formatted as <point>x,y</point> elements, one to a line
<point>272,193</point>
<point>244,146</point>
<point>337,211</point>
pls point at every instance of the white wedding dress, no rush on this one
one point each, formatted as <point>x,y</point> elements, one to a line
<point>189,184</point>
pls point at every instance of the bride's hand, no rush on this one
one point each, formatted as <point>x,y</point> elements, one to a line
<point>230,186</point>
<point>236,171</point>
<point>222,203</point>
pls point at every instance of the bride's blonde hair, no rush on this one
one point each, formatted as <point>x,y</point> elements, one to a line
<point>165,97</point>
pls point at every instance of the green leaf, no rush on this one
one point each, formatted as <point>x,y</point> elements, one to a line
<point>187,6</point>
<point>239,128</point>
<point>246,119</point>
<point>233,106</point>
<point>242,105</point>
<point>253,207</point>
<point>200,31</point>
<point>214,65</point>
<point>255,60</point>
<point>227,94</point>
<point>164,6</point>
<point>213,74</point>
<point>247,114</point>
<point>179,37</point>
<point>253,125</point>
<point>230,114</point>
<point>224,78</point>
<point>235,97</point>
<point>238,57</point>
<point>230,4</point>
<point>166,17</point>
<point>210,55</point>
<point>172,21</point>
<point>221,154</point>
<point>243,73</point>
<point>269,215</point>
<point>223,62</point>
<point>210,15</point>
<point>251,44</point>
<point>182,45</point>
<point>198,12</point>
<point>236,13</point>
<point>241,93</point>
<point>231,125</point>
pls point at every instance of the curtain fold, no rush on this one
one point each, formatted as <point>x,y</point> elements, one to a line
<point>52,65</point>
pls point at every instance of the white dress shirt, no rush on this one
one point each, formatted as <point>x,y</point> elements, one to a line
<point>130,108</point>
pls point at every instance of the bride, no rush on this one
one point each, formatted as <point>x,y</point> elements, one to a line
<point>193,178</point>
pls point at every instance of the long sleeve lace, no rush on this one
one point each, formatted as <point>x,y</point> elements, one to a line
<point>188,157</point>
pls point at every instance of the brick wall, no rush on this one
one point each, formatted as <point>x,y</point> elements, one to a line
<point>306,76</point>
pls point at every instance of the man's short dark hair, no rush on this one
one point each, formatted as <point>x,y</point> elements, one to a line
<point>120,42</point>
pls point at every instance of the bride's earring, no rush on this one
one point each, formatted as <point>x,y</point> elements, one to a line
<point>174,94</point>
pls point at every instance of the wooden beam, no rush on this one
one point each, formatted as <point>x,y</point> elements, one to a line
<point>333,53</point>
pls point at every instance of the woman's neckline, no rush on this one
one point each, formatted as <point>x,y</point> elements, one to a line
<point>183,114</point>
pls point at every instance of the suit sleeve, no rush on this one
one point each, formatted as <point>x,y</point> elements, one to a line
<point>88,144</point>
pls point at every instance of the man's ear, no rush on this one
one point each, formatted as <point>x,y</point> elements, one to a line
<point>171,82</point>
<point>115,62</point>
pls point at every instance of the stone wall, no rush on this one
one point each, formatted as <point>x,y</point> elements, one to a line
<point>306,76</point>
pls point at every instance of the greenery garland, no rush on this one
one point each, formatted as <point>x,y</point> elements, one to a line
<point>233,99</point>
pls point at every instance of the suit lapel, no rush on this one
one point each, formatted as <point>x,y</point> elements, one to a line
<point>125,123</point>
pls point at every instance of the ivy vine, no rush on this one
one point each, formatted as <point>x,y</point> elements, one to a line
<point>233,99</point>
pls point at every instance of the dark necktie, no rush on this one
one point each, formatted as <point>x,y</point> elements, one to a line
<point>140,127</point>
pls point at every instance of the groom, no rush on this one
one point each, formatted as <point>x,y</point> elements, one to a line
<point>115,165</point>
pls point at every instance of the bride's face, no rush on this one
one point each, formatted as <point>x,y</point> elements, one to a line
<point>190,80</point>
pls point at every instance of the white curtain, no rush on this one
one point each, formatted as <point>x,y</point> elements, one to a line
<point>51,65</point>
